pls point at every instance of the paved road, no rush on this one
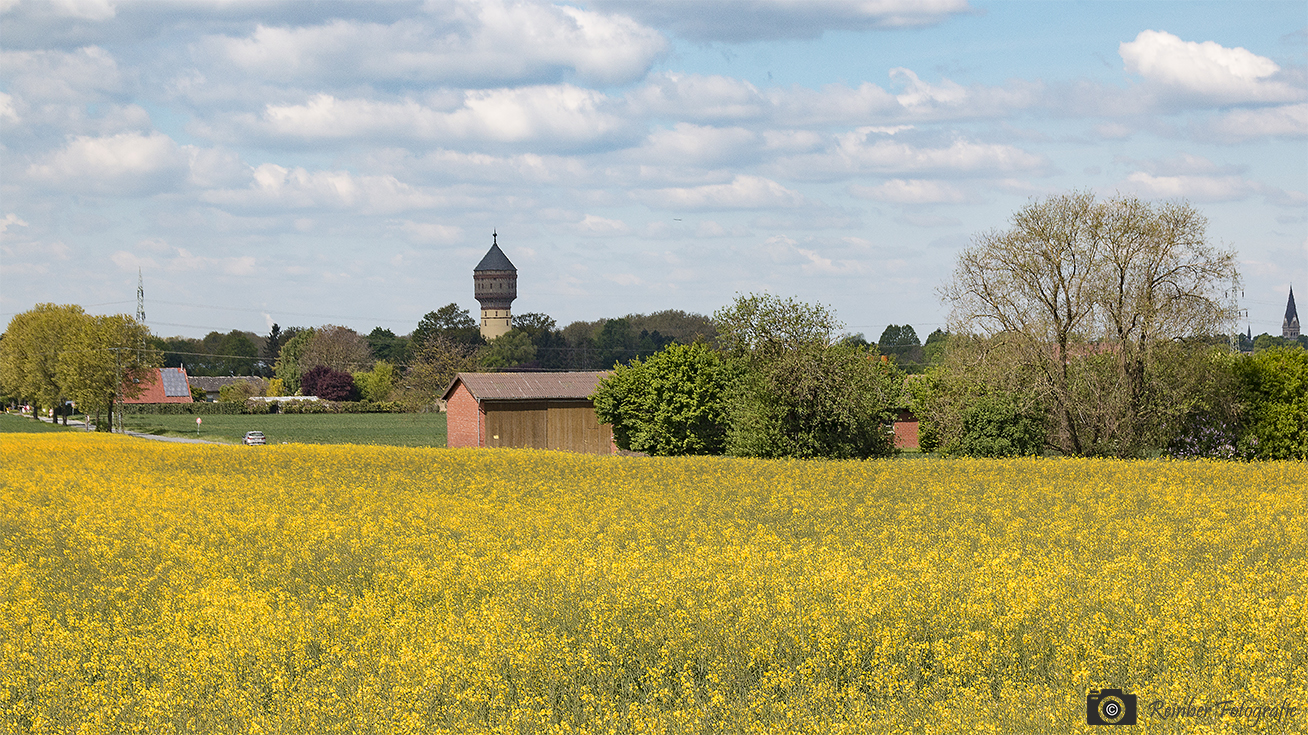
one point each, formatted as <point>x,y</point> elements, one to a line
<point>182,439</point>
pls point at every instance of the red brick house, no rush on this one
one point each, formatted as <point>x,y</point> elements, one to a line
<point>163,385</point>
<point>533,410</point>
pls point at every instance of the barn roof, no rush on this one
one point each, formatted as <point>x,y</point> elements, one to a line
<point>526,386</point>
<point>216,382</point>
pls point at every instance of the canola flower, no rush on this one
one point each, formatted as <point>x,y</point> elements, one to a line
<point>152,588</point>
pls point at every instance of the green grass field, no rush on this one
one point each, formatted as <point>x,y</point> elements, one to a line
<point>11,424</point>
<point>397,429</point>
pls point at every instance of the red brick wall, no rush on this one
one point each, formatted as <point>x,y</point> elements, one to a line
<point>466,422</point>
<point>906,431</point>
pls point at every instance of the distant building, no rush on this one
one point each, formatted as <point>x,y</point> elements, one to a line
<point>1290,325</point>
<point>531,410</point>
<point>163,385</point>
<point>495,285</point>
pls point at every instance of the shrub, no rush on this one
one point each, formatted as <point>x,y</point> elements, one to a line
<point>328,384</point>
<point>994,426</point>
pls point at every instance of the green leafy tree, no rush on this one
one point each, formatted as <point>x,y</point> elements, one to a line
<point>29,353</point>
<point>432,368</point>
<point>1274,386</point>
<point>376,384</point>
<point>288,368</point>
<point>799,394</point>
<point>450,322</point>
<point>673,403</point>
<point>104,362</point>
<point>508,350</point>
<point>996,425</point>
<point>236,354</point>
<point>387,347</point>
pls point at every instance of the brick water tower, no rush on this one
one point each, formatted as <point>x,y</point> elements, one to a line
<point>495,284</point>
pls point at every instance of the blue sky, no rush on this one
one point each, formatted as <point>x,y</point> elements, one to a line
<point>346,162</point>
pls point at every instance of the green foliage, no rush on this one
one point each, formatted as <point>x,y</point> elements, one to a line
<point>815,400</point>
<point>376,384</point>
<point>1274,387</point>
<point>288,368</point>
<point>508,350</point>
<point>387,347</point>
<point>995,426</point>
<point>106,361</point>
<point>761,327</point>
<point>450,322</point>
<point>673,403</point>
<point>29,352</point>
<point>178,409</point>
<point>242,390</point>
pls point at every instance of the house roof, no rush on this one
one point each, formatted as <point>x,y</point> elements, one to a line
<point>526,386</point>
<point>163,385</point>
<point>495,260</point>
<point>209,384</point>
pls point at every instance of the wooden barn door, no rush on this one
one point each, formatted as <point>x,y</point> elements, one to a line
<point>573,428</point>
<point>517,424</point>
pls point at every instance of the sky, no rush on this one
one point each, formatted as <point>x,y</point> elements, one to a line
<point>346,162</point>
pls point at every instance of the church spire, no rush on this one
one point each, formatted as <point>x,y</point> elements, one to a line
<point>1290,325</point>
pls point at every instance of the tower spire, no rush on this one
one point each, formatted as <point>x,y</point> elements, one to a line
<point>1290,325</point>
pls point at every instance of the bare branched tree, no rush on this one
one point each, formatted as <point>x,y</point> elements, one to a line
<point>1091,297</point>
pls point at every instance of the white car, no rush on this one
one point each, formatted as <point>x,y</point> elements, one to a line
<point>254,437</point>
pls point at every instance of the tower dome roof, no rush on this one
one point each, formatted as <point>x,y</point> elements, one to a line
<point>495,259</point>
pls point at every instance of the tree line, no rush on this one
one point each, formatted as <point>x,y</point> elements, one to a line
<point>1087,328</point>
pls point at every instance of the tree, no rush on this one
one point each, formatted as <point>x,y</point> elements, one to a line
<point>674,403</point>
<point>901,342</point>
<point>105,361</point>
<point>508,350</point>
<point>832,401</point>
<point>242,390</point>
<point>1095,297</point>
<point>376,384</point>
<point>235,354</point>
<point>288,368</point>
<point>761,327</point>
<point>328,384</point>
<point>799,394</point>
<point>340,348</point>
<point>1274,387</point>
<point>29,353</point>
<point>450,322</point>
<point>272,345</point>
<point>432,368</point>
<point>387,347</point>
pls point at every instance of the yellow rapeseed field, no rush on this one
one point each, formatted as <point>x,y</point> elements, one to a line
<point>156,588</point>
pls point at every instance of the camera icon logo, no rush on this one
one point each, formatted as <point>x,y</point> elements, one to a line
<point>1109,707</point>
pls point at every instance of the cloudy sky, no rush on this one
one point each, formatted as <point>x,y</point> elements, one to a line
<point>346,162</point>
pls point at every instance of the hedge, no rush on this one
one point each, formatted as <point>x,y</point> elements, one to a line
<point>262,407</point>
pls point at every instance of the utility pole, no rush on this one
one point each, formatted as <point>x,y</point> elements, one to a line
<point>140,297</point>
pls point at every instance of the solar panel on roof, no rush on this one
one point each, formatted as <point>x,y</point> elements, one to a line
<point>174,383</point>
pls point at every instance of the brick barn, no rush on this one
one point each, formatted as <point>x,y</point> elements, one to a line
<point>532,410</point>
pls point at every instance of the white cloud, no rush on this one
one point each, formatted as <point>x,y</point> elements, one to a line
<point>912,191</point>
<point>278,187</point>
<point>457,42</point>
<point>123,163</point>
<point>744,192</point>
<point>1208,70</point>
<point>1194,187</point>
<point>73,76</point>
<point>595,226</point>
<point>748,20</point>
<point>563,114</point>
<point>690,144</point>
<point>10,219</point>
<point>1288,121</point>
<point>430,233</point>
<point>865,151</point>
